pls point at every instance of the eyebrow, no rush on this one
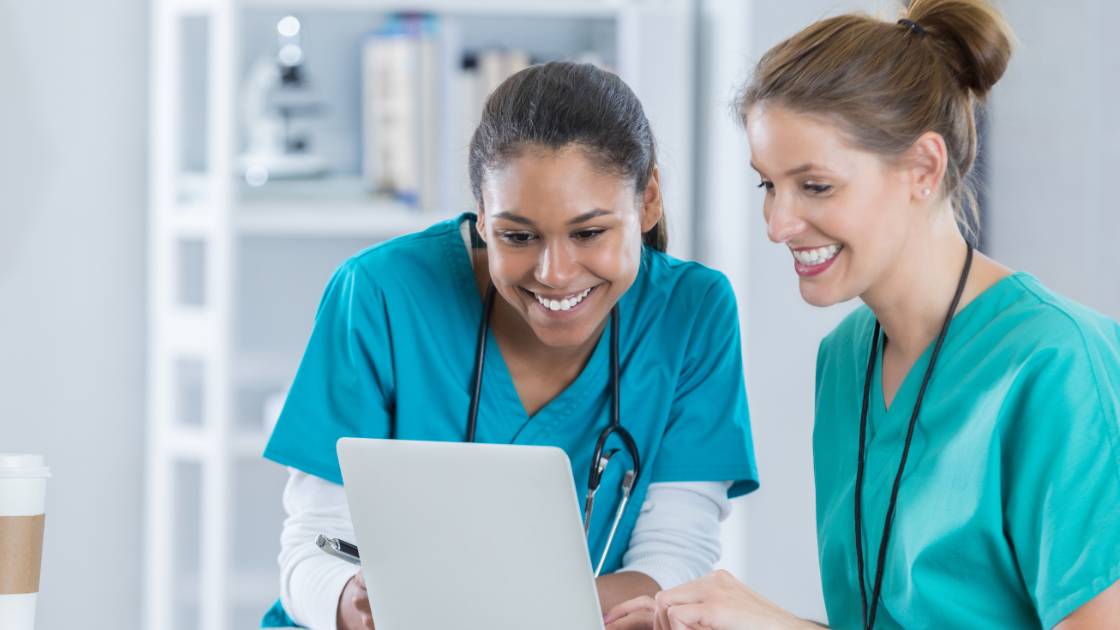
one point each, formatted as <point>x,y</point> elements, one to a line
<point>808,166</point>
<point>586,216</point>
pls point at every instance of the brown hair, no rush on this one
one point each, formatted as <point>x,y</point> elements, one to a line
<point>886,83</point>
<point>557,104</point>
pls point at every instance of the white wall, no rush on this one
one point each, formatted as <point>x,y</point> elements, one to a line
<point>1055,150</point>
<point>72,229</point>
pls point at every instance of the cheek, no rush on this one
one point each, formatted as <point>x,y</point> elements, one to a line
<point>510,264</point>
<point>615,260</point>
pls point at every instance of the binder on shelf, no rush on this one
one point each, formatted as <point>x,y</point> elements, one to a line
<point>401,92</point>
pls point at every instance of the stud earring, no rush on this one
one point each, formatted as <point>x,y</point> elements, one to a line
<point>925,192</point>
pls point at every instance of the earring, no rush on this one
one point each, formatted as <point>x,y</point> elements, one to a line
<point>925,192</point>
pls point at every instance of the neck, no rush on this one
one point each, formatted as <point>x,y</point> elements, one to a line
<point>911,299</point>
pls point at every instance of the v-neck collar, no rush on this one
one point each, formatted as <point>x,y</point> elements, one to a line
<point>906,394</point>
<point>497,382</point>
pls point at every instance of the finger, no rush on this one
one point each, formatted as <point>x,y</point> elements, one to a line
<point>638,604</point>
<point>699,590</point>
<point>638,620</point>
<point>661,618</point>
<point>690,617</point>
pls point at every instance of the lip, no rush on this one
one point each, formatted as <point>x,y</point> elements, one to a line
<point>572,312</point>
<point>808,271</point>
<point>805,249</point>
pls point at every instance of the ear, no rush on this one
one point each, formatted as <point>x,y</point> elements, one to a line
<point>652,204</point>
<point>480,223</point>
<point>929,160</point>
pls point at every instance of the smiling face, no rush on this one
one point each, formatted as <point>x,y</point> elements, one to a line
<point>845,214</point>
<point>564,239</point>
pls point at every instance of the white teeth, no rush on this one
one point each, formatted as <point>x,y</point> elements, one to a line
<point>565,304</point>
<point>817,256</point>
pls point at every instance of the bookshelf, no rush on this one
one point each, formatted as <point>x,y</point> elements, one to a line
<point>236,270</point>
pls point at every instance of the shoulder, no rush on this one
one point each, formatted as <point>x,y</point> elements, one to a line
<point>415,253</point>
<point>1043,320</point>
<point>399,265</point>
<point>682,304</point>
<point>1056,337</point>
<point>685,283</point>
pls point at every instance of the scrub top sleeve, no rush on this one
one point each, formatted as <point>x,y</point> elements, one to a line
<point>344,382</point>
<point>1062,488</point>
<point>708,435</point>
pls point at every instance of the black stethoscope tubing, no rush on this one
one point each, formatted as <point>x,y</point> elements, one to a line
<point>869,615</point>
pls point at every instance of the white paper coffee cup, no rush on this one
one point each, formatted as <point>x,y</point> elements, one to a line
<point>23,486</point>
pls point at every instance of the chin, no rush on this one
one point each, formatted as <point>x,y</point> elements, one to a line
<point>820,296</point>
<point>560,337</point>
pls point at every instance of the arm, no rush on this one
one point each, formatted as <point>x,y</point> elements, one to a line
<point>675,539</point>
<point>1103,611</point>
<point>715,602</point>
<point>621,586</point>
<point>311,582</point>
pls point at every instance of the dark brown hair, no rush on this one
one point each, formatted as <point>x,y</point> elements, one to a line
<point>557,104</point>
<point>886,83</point>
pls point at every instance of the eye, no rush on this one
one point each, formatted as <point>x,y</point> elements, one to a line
<point>517,239</point>
<point>587,235</point>
<point>769,186</point>
<point>817,189</point>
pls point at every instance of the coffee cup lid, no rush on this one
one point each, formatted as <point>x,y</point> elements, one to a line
<point>16,465</point>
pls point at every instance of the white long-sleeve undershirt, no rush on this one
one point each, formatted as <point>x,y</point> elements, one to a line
<point>675,539</point>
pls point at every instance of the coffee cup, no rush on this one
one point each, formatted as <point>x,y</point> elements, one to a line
<point>23,485</point>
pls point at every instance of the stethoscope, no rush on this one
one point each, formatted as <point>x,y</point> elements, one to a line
<point>601,457</point>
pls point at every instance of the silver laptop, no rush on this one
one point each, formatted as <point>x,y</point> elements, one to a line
<point>456,535</point>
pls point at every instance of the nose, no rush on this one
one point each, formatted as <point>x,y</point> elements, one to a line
<point>782,221</point>
<point>557,265</point>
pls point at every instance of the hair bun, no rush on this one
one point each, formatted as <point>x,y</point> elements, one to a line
<point>973,36</point>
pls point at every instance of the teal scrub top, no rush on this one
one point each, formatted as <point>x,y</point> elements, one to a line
<point>1008,513</point>
<point>392,351</point>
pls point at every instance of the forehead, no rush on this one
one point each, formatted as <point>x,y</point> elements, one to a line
<point>537,169</point>
<point>782,139</point>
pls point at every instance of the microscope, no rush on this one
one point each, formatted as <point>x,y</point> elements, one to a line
<point>275,93</point>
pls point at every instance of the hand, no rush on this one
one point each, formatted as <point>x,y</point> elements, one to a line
<point>353,606</point>
<point>635,614</point>
<point>718,601</point>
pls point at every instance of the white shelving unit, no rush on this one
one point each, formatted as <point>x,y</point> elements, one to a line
<point>235,273</point>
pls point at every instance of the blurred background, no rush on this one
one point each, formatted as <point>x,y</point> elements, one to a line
<point>179,177</point>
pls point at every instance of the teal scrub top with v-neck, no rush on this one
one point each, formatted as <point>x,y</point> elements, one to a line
<point>392,351</point>
<point>1008,513</point>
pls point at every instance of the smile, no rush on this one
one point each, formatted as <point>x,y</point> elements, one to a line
<point>816,256</point>
<point>565,303</point>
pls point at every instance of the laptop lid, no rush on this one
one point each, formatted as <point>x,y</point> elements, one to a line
<point>457,535</point>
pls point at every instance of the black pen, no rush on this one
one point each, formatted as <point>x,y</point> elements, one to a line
<point>339,548</point>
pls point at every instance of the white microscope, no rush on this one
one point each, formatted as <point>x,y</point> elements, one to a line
<point>276,92</point>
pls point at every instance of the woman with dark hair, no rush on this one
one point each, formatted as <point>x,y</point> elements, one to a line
<point>966,449</point>
<point>567,250</point>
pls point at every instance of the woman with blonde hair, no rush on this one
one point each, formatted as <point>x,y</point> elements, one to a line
<point>967,436</point>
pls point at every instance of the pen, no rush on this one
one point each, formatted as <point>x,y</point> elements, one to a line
<point>339,548</point>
